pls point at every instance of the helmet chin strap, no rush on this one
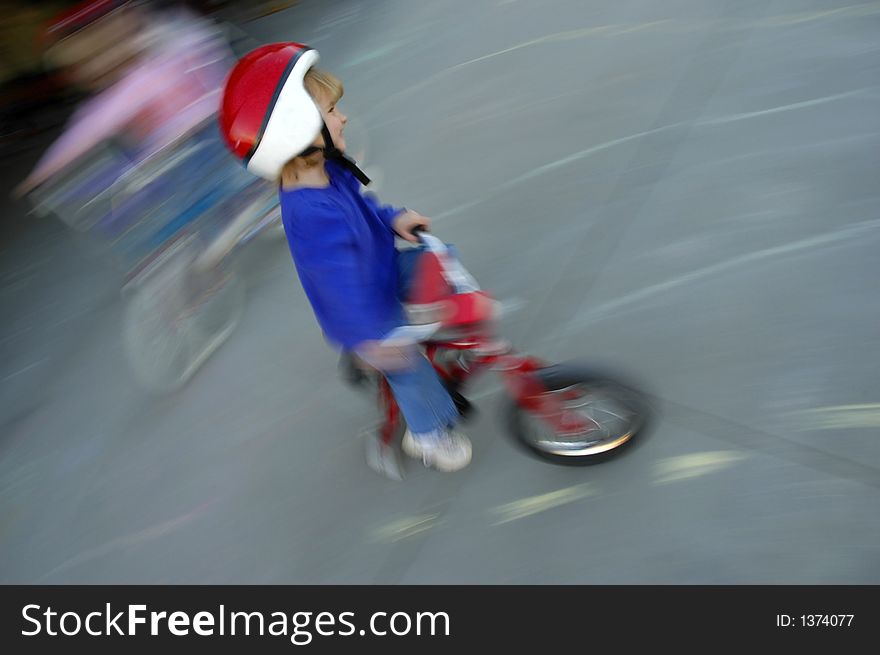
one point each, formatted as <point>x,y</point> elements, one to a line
<point>332,152</point>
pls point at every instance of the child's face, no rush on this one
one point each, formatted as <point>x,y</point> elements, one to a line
<point>334,119</point>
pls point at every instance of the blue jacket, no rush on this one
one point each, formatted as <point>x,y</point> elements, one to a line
<point>343,247</point>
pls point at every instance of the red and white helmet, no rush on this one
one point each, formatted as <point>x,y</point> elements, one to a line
<point>267,116</point>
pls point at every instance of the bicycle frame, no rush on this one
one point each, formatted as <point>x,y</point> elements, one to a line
<point>516,371</point>
<point>481,351</point>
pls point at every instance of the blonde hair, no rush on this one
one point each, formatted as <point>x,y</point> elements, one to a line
<point>318,83</point>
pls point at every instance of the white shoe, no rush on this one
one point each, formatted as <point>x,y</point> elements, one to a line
<point>452,452</point>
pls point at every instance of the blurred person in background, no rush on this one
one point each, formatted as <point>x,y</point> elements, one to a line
<point>281,117</point>
<point>153,74</point>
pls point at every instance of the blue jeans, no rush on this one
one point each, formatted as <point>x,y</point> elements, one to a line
<point>423,399</point>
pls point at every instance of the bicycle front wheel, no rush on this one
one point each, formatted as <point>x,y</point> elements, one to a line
<point>168,336</point>
<point>608,414</point>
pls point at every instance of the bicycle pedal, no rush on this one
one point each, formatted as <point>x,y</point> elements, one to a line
<point>353,374</point>
<point>465,407</point>
<point>383,458</point>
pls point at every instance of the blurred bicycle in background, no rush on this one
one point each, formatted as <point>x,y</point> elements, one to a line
<point>141,171</point>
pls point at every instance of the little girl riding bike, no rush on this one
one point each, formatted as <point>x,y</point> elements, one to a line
<point>279,115</point>
<point>415,317</point>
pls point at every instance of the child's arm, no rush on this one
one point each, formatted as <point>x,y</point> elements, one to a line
<point>386,213</point>
<point>399,220</point>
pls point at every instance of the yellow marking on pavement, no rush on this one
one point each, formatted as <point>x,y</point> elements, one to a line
<point>524,507</point>
<point>685,467</point>
<point>405,528</point>
<point>841,417</point>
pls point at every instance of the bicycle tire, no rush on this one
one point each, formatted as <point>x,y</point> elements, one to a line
<point>590,446</point>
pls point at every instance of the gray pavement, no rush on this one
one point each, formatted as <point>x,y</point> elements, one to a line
<point>686,191</point>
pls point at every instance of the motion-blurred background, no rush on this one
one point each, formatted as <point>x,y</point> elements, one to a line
<point>685,190</point>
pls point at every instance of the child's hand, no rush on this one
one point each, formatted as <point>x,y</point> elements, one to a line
<point>23,188</point>
<point>405,222</point>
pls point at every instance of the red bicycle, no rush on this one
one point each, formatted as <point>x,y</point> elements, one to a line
<point>565,413</point>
